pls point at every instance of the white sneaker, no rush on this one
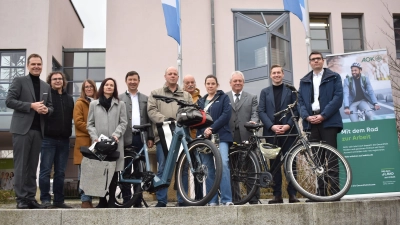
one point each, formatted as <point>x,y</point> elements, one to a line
<point>212,204</point>
<point>228,204</point>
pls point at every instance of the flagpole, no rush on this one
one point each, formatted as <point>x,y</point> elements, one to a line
<point>308,35</point>
<point>179,61</point>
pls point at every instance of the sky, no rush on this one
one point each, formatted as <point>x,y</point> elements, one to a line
<point>93,15</point>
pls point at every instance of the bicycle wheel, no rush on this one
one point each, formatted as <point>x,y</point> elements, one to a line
<point>198,187</point>
<point>322,174</point>
<point>126,194</point>
<point>245,172</point>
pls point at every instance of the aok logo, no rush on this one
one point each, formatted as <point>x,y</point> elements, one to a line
<point>372,59</point>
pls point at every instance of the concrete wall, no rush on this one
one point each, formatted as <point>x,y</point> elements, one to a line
<point>137,38</point>
<point>65,30</point>
<point>355,212</point>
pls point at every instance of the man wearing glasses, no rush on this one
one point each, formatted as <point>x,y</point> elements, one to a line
<point>55,144</point>
<point>320,98</point>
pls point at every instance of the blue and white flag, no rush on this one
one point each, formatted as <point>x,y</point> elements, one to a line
<point>297,7</point>
<point>172,18</point>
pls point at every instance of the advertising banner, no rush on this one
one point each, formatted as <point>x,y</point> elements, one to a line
<point>369,138</point>
<point>6,174</point>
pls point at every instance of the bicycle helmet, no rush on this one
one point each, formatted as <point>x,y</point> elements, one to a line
<point>356,64</point>
<point>106,146</point>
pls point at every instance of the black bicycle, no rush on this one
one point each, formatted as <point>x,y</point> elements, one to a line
<point>306,164</point>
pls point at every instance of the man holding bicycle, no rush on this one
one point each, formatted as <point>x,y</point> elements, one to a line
<point>320,98</point>
<point>158,112</point>
<point>358,94</point>
<point>274,99</point>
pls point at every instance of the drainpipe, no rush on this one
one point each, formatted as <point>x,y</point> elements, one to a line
<point>214,64</point>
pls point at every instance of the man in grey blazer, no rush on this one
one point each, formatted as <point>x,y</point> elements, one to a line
<point>30,98</point>
<point>244,108</point>
<point>274,99</point>
<point>136,111</point>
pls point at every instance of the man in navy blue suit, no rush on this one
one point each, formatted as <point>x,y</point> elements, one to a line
<point>273,99</point>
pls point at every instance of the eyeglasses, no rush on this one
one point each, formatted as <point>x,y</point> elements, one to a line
<point>89,87</point>
<point>316,59</point>
<point>54,79</point>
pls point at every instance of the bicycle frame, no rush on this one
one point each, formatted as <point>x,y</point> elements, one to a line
<point>180,135</point>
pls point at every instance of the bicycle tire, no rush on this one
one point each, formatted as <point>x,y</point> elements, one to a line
<point>129,198</point>
<point>335,179</point>
<point>209,159</point>
<point>245,171</point>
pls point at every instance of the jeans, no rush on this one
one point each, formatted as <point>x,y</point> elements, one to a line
<point>161,194</point>
<point>84,198</point>
<point>53,151</point>
<point>361,105</point>
<point>126,189</point>
<point>225,185</point>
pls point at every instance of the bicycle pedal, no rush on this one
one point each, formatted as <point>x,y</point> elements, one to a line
<point>265,179</point>
<point>204,150</point>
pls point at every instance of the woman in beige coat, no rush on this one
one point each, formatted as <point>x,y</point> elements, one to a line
<point>107,115</point>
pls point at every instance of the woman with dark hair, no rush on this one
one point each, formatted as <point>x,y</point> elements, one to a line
<point>81,110</point>
<point>217,104</point>
<point>107,116</point>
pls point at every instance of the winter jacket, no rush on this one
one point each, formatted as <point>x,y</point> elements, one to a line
<point>81,111</point>
<point>221,112</point>
<point>330,99</point>
<point>59,124</point>
<point>159,111</point>
<point>111,123</point>
<point>349,93</point>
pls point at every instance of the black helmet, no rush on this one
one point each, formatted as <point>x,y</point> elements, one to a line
<point>106,146</point>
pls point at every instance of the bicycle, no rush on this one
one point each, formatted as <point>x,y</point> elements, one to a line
<point>191,169</point>
<point>250,170</point>
<point>361,113</point>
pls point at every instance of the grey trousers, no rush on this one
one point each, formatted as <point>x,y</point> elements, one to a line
<point>26,150</point>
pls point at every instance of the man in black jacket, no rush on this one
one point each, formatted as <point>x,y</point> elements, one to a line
<point>55,145</point>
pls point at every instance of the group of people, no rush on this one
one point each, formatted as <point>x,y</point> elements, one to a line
<point>7,181</point>
<point>43,113</point>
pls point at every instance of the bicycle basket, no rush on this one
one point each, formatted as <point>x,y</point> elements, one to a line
<point>269,151</point>
<point>194,118</point>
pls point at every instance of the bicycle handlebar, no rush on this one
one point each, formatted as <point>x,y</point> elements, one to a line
<point>363,111</point>
<point>179,102</point>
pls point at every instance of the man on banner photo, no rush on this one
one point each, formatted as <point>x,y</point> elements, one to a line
<point>358,95</point>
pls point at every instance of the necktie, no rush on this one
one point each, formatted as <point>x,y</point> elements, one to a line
<point>237,98</point>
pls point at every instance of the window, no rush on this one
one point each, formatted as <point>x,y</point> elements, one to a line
<point>261,40</point>
<point>12,65</point>
<point>319,32</point>
<point>352,33</point>
<point>81,65</point>
<point>396,26</point>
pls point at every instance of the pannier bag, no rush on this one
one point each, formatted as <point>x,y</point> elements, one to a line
<point>96,176</point>
<point>269,151</point>
<point>194,118</point>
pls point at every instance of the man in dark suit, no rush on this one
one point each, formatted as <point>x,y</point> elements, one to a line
<point>274,99</point>
<point>244,109</point>
<point>30,98</point>
<point>136,110</point>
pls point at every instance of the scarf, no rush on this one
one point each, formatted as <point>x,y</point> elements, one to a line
<point>105,102</point>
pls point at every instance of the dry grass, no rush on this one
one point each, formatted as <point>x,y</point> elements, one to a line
<point>6,196</point>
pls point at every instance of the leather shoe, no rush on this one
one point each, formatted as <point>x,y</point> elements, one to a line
<point>62,205</point>
<point>160,204</point>
<point>180,204</point>
<point>22,205</point>
<point>86,205</point>
<point>293,199</point>
<point>276,200</point>
<point>35,205</point>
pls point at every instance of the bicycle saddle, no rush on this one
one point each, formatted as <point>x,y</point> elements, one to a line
<point>141,127</point>
<point>252,125</point>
